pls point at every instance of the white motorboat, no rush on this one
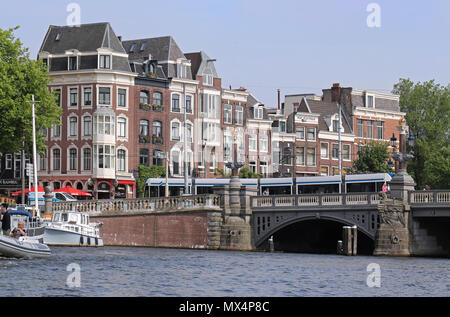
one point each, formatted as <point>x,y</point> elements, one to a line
<point>30,246</point>
<point>71,228</point>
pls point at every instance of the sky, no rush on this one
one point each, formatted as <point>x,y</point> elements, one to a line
<point>264,45</point>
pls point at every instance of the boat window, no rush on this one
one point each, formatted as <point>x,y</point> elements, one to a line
<point>64,217</point>
<point>56,217</point>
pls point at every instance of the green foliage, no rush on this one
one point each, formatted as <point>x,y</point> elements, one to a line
<point>20,77</point>
<point>146,172</point>
<point>371,159</point>
<point>427,107</point>
<point>245,172</point>
<point>221,173</point>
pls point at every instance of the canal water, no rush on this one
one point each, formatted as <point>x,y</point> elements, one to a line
<point>114,271</point>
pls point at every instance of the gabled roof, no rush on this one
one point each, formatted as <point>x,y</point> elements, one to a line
<point>85,38</point>
<point>200,64</point>
<point>325,110</point>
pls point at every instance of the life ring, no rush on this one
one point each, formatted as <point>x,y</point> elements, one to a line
<point>395,239</point>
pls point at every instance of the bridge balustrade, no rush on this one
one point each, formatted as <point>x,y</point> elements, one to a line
<point>141,204</point>
<point>435,197</point>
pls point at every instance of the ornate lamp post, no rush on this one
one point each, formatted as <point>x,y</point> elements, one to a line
<point>235,184</point>
<point>402,182</point>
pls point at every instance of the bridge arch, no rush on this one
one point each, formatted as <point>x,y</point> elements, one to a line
<point>260,240</point>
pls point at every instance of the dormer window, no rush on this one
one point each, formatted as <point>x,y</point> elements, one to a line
<point>143,46</point>
<point>133,47</point>
<point>181,71</point>
<point>258,112</point>
<point>370,101</point>
<point>58,37</point>
<point>105,61</point>
<point>335,125</point>
<point>208,80</point>
<point>72,63</point>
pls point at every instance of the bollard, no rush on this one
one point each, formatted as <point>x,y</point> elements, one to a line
<point>354,240</point>
<point>340,247</point>
<point>271,245</point>
<point>347,240</point>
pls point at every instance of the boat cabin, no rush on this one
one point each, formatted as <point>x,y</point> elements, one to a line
<point>71,217</point>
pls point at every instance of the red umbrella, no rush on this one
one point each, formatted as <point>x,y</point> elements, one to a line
<point>72,191</point>
<point>18,193</point>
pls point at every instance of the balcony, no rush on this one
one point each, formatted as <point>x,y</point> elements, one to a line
<point>144,106</point>
<point>158,108</point>
<point>144,139</point>
<point>157,140</point>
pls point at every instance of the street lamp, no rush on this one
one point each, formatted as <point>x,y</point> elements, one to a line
<point>393,142</point>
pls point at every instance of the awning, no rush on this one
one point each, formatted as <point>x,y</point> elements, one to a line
<point>122,182</point>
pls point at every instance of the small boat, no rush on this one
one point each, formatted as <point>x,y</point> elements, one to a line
<point>71,228</point>
<point>30,246</point>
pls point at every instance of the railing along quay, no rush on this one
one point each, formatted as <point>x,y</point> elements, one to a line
<point>157,204</point>
<point>432,197</point>
<point>319,200</point>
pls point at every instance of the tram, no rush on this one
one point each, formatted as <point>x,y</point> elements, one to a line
<point>274,186</point>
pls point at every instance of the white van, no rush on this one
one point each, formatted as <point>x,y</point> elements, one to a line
<point>56,197</point>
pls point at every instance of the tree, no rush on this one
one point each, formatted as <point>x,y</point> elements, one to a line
<point>20,77</point>
<point>146,172</point>
<point>371,159</point>
<point>245,172</point>
<point>427,108</point>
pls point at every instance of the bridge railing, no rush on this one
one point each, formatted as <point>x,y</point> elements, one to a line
<point>141,204</point>
<point>318,200</point>
<point>433,197</point>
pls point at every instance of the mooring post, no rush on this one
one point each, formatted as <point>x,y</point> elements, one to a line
<point>347,240</point>
<point>271,245</point>
<point>354,240</point>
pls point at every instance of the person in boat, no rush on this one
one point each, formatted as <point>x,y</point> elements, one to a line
<point>6,220</point>
<point>18,231</point>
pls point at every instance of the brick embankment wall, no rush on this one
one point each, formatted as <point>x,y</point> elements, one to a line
<point>166,230</point>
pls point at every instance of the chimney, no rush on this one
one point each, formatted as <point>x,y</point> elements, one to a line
<point>279,99</point>
<point>336,92</point>
<point>119,38</point>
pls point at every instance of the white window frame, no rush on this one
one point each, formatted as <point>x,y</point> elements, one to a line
<point>84,125</point>
<point>252,140</point>
<point>110,96</point>
<point>125,167</point>
<point>69,170</point>
<point>227,108</point>
<point>126,98</point>
<point>328,170</point>
<point>70,136</point>
<point>171,130</point>
<point>304,156</point>
<point>315,156</point>
<point>349,152</point>
<point>297,128</point>
<point>61,94</point>
<point>100,61</point>
<point>69,105</point>
<point>307,134</point>
<point>82,97</point>
<point>337,145</point>
<point>263,143</point>
<point>125,136</point>
<point>52,160</point>
<point>328,151</point>
<point>8,161</point>
<point>83,166</point>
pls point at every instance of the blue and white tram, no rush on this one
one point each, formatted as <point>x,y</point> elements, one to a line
<point>275,186</point>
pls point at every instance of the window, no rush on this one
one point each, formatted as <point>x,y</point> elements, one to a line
<point>252,142</point>
<point>253,165</point>
<point>264,168</point>
<point>104,96</point>
<point>133,47</point>
<point>73,159</point>
<point>258,112</point>
<point>104,125</point>
<point>263,143</point>
<point>8,162</point>
<point>121,160</point>
<point>370,129</point>
<point>181,71</point>
<point>324,150</point>
<point>73,97</point>
<point>104,156</point>
<point>239,115</point>
<point>176,163</point>
<point>212,160</point>
<point>175,103</point>
<point>282,126</point>
<point>157,129</point>
<point>335,125</point>
<point>57,93</point>
<point>335,151</point>
<point>87,126</point>
<point>144,97</point>
<point>311,156</point>
<point>370,101</point>
<point>43,161</point>
<point>324,170</point>
<point>158,157</point>
<point>87,96</point>
<point>73,125</point>
<point>56,156</point>
<point>335,170</point>
<point>122,97</point>
<point>360,125</point>
<point>157,98</point>
<point>188,104</point>
<point>189,132</point>
<point>143,157</point>
<point>143,128</point>
<point>73,63</point>
<point>346,152</point>
<point>143,46</point>
<point>287,156</point>
<point>207,80</point>
<point>380,130</point>
<point>105,61</point>
<point>87,159</point>
<point>300,133</point>
<point>56,131</point>
<point>121,127</point>
<point>300,156</point>
<point>311,134</point>
<point>175,131</point>
<point>227,114</point>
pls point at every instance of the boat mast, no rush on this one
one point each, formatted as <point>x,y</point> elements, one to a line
<point>36,197</point>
